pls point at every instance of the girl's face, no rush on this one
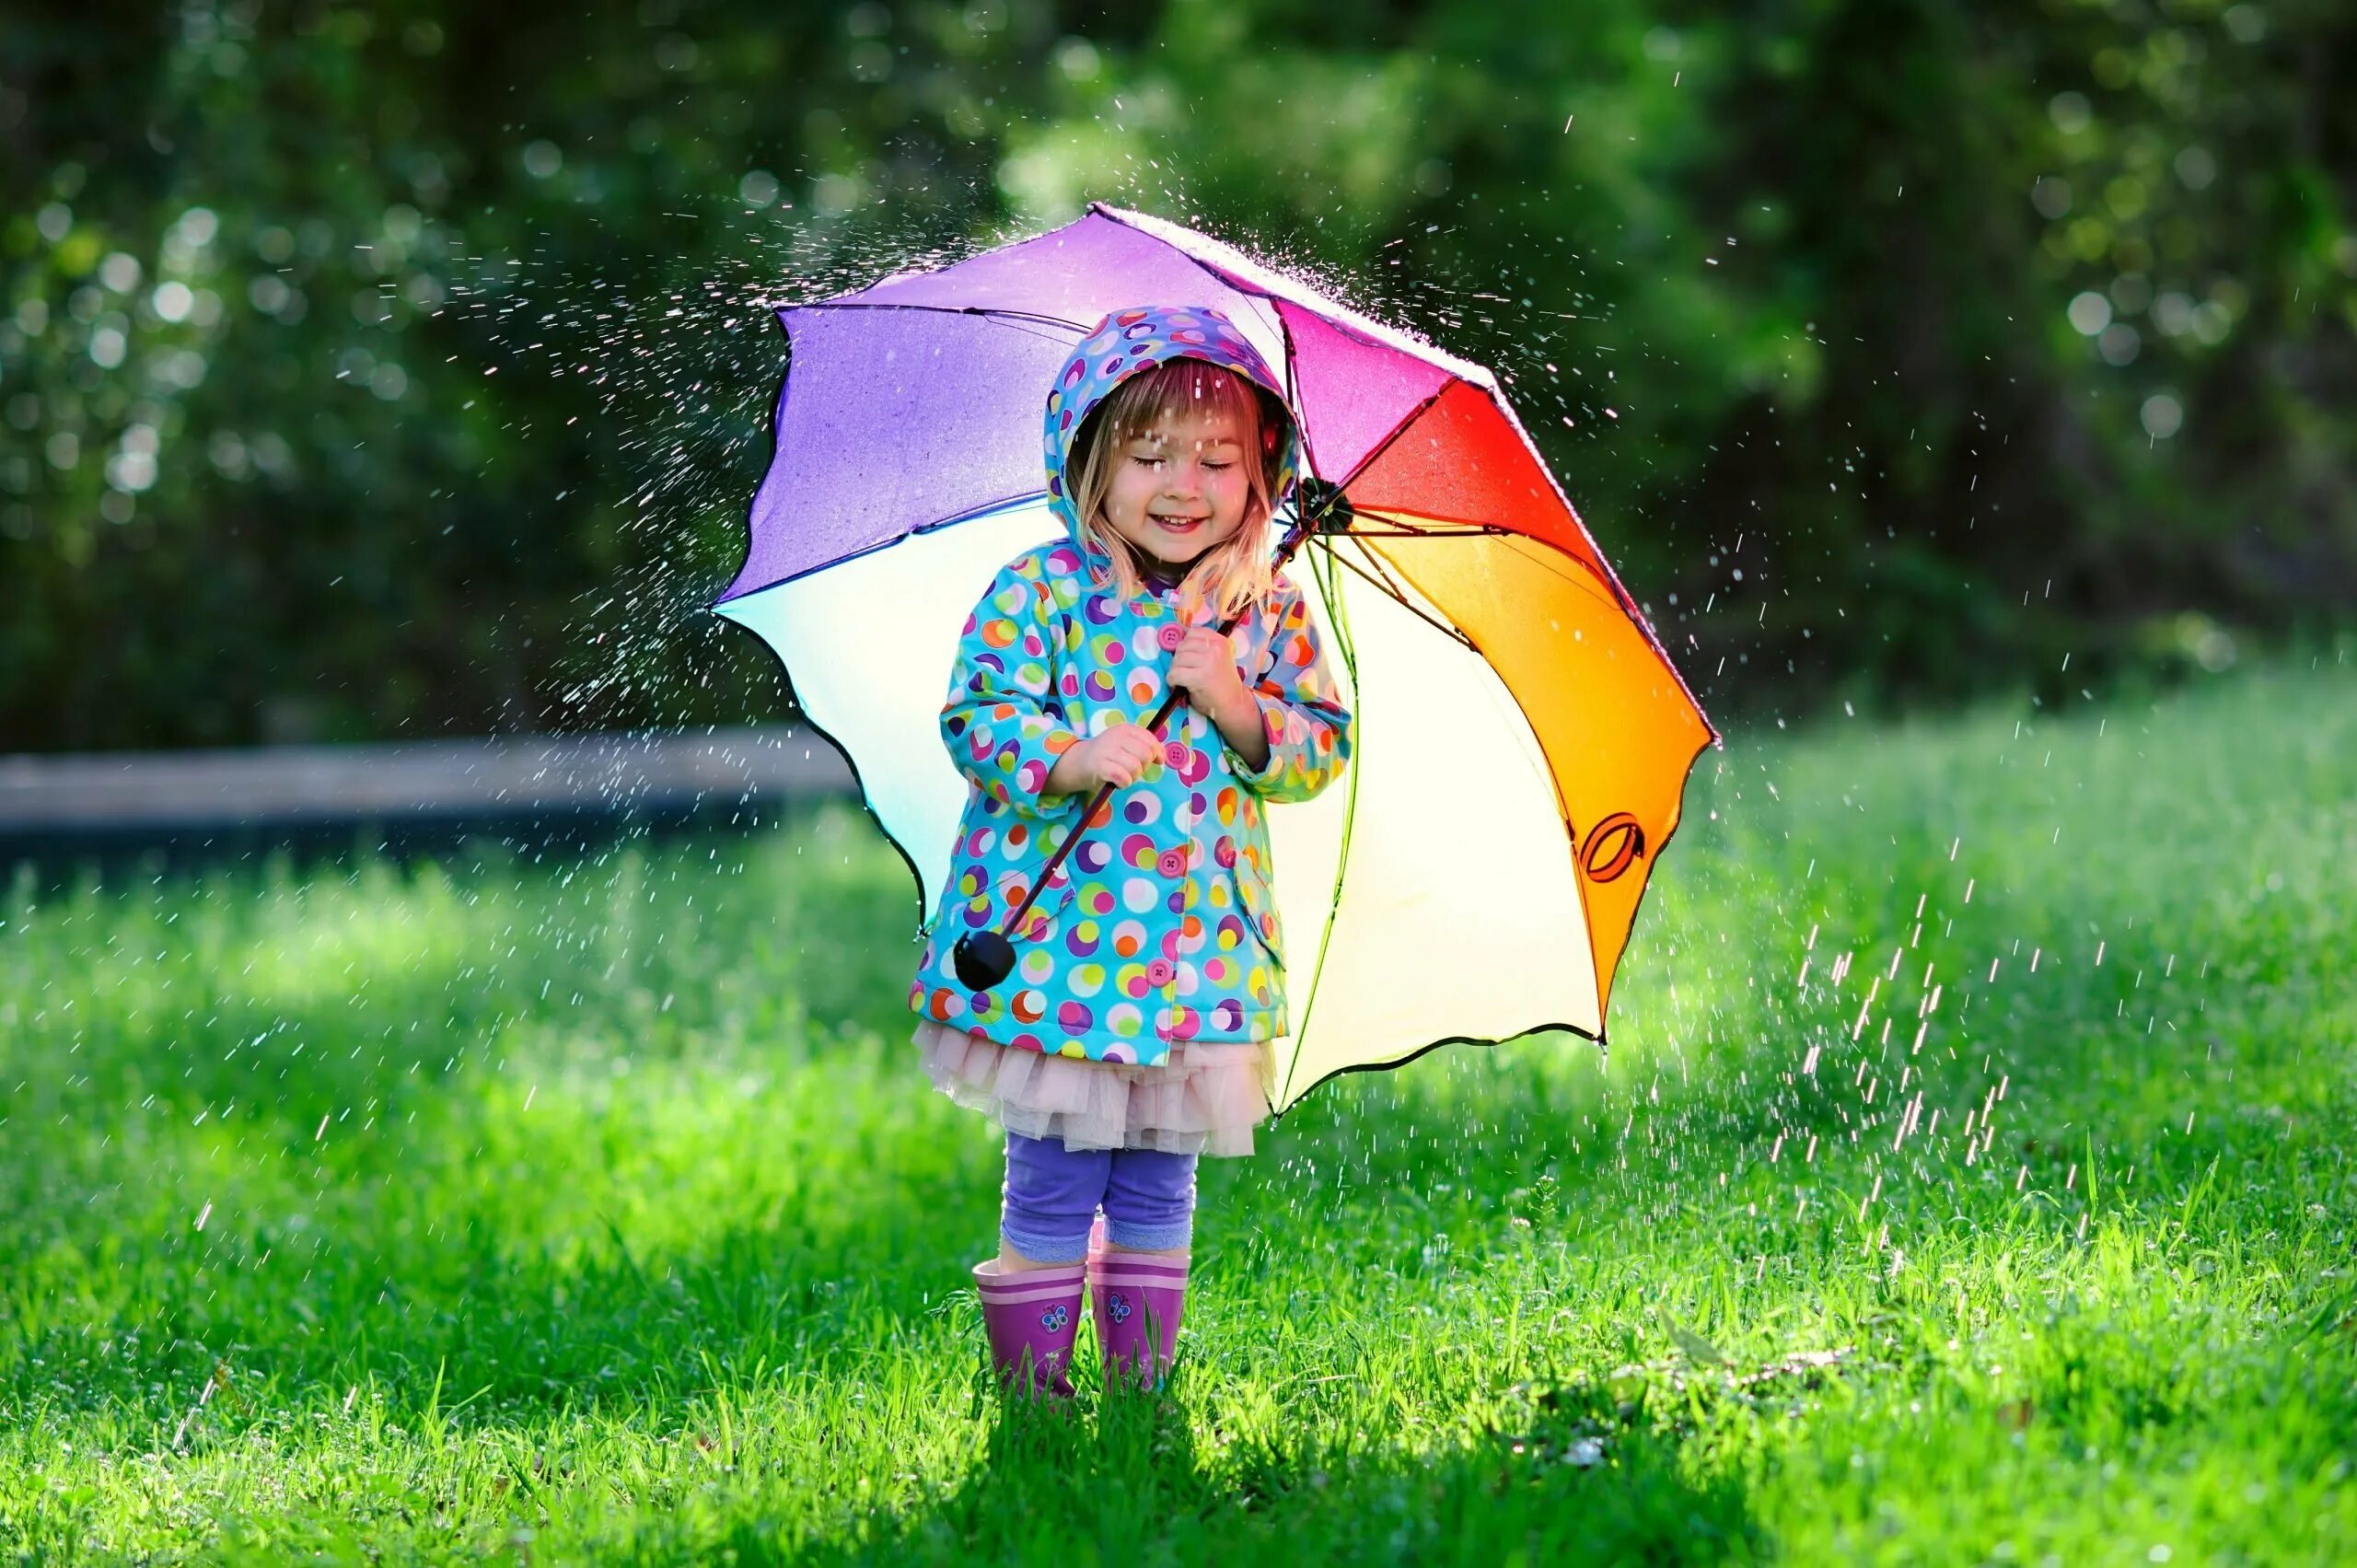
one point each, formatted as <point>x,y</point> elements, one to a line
<point>1180,489</point>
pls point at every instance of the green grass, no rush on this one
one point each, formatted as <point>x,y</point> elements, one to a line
<point>595,1211</point>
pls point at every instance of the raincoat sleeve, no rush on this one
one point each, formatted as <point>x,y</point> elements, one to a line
<point>1301,710</point>
<point>1002,724</point>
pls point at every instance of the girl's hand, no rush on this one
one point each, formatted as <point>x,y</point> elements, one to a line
<point>1115,757</point>
<point>1203,665</point>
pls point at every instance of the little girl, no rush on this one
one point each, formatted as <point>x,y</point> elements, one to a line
<point>1134,1032</point>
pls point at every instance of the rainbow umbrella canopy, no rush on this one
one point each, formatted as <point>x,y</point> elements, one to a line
<point>1523,740</point>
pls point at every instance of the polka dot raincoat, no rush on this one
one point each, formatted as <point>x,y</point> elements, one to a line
<point>1161,926</point>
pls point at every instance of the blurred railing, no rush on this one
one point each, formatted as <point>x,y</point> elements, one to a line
<point>406,797</point>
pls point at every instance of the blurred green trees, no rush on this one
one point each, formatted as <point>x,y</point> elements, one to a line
<point>367,370</point>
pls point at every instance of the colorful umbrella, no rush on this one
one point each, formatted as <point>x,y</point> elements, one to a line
<point>1523,740</point>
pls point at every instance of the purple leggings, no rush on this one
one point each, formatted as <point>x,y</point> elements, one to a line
<point>1052,1194</point>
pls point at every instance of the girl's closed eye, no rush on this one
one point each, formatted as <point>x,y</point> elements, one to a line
<point>1157,461</point>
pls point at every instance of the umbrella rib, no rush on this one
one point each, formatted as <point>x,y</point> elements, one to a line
<point>991,311</point>
<point>1396,431</point>
<point>1293,395</point>
<point>1516,541</point>
<point>971,514</point>
<point>1292,368</point>
<point>1586,578</point>
<point>1390,590</point>
<point>1347,647</point>
<point>1228,281</point>
<point>1635,611</point>
<point>1452,530</point>
<point>1366,329</point>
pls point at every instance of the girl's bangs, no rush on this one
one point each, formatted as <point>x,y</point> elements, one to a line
<point>1233,575</point>
<point>1184,387</point>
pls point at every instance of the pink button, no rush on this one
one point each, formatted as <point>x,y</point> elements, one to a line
<point>1170,636</point>
<point>1162,972</point>
<point>1175,753</point>
<point>1171,863</point>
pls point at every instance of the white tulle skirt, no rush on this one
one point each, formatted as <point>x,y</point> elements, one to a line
<point>1202,1099</point>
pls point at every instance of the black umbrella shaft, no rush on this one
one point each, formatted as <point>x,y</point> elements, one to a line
<point>1285,548</point>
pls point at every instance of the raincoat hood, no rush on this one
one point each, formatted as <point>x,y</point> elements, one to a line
<point>1139,337</point>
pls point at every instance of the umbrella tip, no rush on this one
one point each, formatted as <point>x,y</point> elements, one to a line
<point>983,958</point>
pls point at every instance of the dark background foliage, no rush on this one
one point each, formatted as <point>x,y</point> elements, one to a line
<point>392,369</point>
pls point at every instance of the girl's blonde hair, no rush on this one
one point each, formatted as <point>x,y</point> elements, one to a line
<point>1231,576</point>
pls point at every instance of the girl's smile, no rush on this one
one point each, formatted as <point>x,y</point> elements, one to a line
<point>1180,489</point>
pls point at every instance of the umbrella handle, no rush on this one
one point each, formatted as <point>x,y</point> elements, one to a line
<point>983,958</point>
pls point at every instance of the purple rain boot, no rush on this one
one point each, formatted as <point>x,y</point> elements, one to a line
<point>1030,1319</point>
<point>1137,1298</point>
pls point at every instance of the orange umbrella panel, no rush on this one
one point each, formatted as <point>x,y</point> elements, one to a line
<point>1618,730</point>
<point>1521,746</point>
